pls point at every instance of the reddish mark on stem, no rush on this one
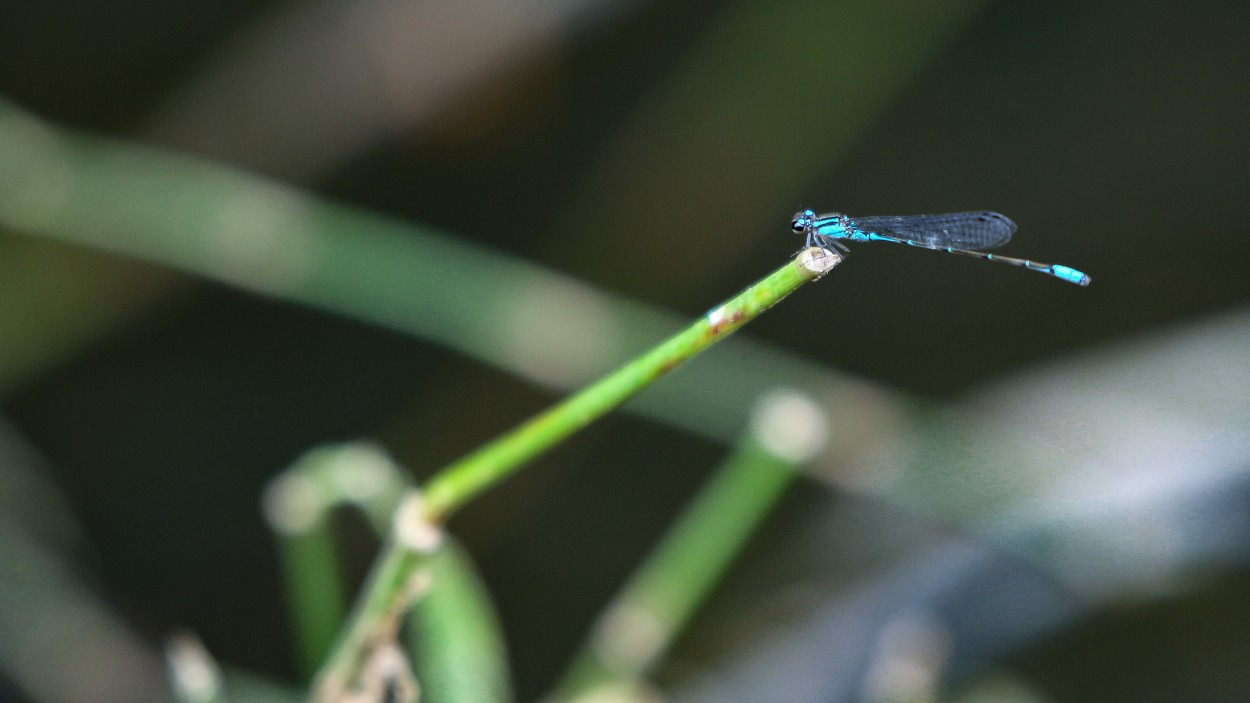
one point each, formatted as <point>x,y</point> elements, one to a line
<point>666,367</point>
<point>718,321</point>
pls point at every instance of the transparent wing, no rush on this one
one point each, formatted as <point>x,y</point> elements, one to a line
<point>960,230</point>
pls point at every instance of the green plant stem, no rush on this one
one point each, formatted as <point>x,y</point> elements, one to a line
<point>453,622</point>
<point>457,484</point>
<point>390,587</point>
<point>657,602</point>
<point>300,505</point>
<point>315,599</point>
<point>454,637</point>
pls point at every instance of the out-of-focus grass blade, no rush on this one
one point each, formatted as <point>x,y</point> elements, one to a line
<point>454,636</point>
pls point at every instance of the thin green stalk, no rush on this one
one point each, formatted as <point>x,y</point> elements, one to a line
<point>460,482</point>
<point>641,623</point>
<point>315,598</point>
<point>299,505</point>
<point>454,636</point>
<point>658,601</point>
<point>417,531</point>
<point>395,583</point>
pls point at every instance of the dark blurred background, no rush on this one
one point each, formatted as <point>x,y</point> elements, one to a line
<point>1057,475</point>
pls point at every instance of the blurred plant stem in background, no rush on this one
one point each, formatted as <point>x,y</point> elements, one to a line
<point>57,299</point>
<point>454,638</point>
<point>300,505</point>
<point>235,228</point>
<point>653,608</point>
<point>43,597</point>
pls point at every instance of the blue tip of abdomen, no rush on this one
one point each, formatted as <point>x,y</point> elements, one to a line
<point>1070,274</point>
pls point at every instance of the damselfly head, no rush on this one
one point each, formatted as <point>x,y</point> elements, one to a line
<point>802,221</point>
